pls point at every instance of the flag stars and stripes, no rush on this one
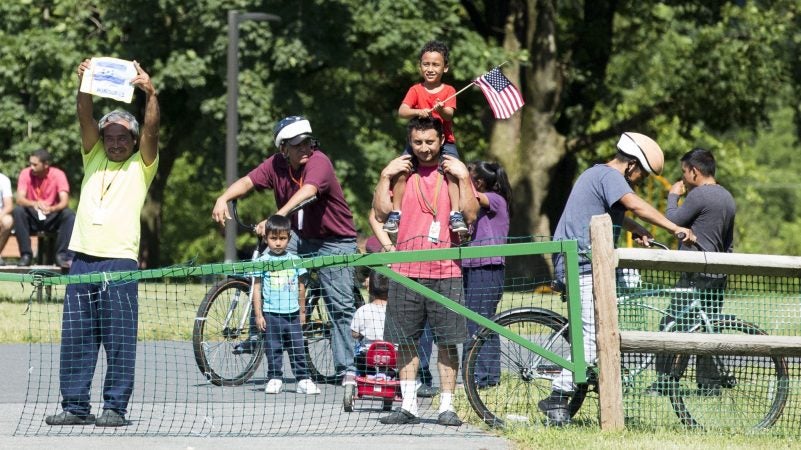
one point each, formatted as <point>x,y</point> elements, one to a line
<point>503,97</point>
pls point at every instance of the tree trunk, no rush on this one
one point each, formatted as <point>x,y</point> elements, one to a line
<point>149,246</point>
<point>528,145</point>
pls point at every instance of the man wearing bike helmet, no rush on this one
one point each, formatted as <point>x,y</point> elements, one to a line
<point>604,189</point>
<point>299,172</point>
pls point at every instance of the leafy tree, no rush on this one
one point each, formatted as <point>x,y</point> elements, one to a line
<point>687,73</point>
<point>679,71</point>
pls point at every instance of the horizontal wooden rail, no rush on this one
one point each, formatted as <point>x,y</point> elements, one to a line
<point>711,262</point>
<point>709,344</point>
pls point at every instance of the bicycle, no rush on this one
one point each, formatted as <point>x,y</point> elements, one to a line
<point>228,350</point>
<point>755,389</point>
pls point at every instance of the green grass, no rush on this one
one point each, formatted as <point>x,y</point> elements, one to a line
<point>166,312</point>
<point>661,432</point>
<point>586,437</point>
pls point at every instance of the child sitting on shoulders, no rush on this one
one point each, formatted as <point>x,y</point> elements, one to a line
<point>430,98</point>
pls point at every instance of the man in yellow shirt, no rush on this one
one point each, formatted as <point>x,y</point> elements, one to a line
<point>106,239</point>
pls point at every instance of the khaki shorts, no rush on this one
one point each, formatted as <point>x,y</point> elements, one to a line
<point>407,313</point>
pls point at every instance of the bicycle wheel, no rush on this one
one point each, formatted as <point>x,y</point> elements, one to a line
<point>217,333</point>
<point>640,310</point>
<point>730,392</point>
<point>525,376</point>
<point>317,340</point>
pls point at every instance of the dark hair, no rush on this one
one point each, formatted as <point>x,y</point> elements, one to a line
<point>277,224</point>
<point>378,285</point>
<point>42,155</point>
<point>702,160</point>
<point>494,178</point>
<point>626,158</point>
<point>422,124</point>
<point>435,46</point>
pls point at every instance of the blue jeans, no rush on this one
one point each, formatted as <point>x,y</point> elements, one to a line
<point>98,314</point>
<point>424,348</point>
<point>284,333</point>
<point>483,289</point>
<point>337,284</point>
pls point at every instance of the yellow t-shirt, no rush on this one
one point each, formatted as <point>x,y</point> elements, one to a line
<point>112,196</point>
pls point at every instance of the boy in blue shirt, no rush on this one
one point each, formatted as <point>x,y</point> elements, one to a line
<point>283,311</point>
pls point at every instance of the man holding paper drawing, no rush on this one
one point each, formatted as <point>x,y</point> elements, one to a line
<point>106,239</point>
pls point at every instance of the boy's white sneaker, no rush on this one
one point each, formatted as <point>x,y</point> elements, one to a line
<point>273,386</point>
<point>307,387</point>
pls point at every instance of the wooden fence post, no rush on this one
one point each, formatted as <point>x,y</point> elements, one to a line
<point>604,262</point>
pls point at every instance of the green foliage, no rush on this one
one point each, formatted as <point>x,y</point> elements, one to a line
<point>692,69</point>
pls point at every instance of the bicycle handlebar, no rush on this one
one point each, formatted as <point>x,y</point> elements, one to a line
<point>680,236</point>
<point>252,228</point>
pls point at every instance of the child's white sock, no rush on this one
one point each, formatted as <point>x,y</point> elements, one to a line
<point>409,392</point>
<point>445,401</point>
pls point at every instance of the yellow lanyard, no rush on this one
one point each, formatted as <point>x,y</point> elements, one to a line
<point>432,208</point>
<point>103,191</point>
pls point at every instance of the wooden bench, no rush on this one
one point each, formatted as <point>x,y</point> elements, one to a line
<point>44,254</point>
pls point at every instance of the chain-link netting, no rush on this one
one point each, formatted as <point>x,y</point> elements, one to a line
<point>711,392</point>
<point>199,366</point>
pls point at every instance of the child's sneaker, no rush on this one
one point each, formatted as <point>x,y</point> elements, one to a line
<point>273,386</point>
<point>392,222</point>
<point>307,387</point>
<point>457,222</point>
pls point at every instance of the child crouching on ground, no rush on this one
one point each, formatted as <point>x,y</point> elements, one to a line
<point>284,309</point>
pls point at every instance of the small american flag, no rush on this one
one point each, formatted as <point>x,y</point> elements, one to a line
<point>502,95</point>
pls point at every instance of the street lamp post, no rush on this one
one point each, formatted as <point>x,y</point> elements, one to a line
<point>232,113</point>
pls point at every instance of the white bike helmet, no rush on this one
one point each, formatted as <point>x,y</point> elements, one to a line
<point>645,149</point>
<point>292,129</point>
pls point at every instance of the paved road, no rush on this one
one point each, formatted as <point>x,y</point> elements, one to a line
<point>173,407</point>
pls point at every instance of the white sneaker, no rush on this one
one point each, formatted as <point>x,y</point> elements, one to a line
<point>307,387</point>
<point>273,386</point>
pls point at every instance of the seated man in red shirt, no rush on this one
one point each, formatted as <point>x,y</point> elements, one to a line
<point>43,195</point>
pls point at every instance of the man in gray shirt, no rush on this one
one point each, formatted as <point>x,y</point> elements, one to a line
<point>709,210</point>
<point>604,188</point>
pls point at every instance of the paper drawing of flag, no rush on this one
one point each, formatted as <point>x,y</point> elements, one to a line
<point>502,95</point>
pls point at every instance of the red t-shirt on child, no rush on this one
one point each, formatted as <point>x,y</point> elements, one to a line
<point>419,98</point>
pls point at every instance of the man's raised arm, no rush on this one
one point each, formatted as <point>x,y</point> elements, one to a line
<point>89,133</point>
<point>149,137</point>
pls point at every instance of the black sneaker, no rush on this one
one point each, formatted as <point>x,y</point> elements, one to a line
<point>449,419</point>
<point>555,408</point>
<point>245,347</point>
<point>110,418</point>
<point>63,261</point>
<point>728,381</point>
<point>25,260</point>
<point>662,387</point>
<point>68,418</point>
<point>399,417</point>
<point>392,223</point>
<point>426,391</point>
<point>708,390</point>
<point>457,222</point>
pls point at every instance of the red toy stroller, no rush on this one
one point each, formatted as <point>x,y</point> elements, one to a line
<point>379,380</point>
